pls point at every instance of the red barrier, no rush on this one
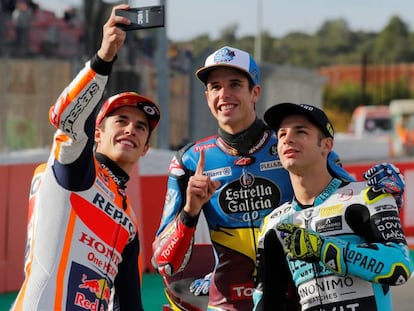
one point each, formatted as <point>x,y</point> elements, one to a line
<point>4,173</point>
<point>153,189</point>
<point>147,195</point>
<point>15,182</point>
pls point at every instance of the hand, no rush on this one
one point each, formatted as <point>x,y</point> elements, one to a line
<point>201,287</point>
<point>113,36</point>
<point>200,189</point>
<point>386,177</point>
<point>301,243</point>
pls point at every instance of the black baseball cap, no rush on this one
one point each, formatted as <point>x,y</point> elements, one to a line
<point>275,114</point>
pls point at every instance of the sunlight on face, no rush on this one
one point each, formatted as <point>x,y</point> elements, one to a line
<point>300,144</point>
<point>123,136</point>
<point>230,100</point>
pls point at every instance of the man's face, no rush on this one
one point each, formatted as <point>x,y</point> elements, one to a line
<point>230,100</point>
<point>123,136</point>
<point>300,145</point>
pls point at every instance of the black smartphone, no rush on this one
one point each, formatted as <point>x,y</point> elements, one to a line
<point>142,18</point>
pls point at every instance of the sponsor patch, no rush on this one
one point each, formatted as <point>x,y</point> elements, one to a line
<point>270,165</point>
<point>87,290</point>
<point>329,224</point>
<point>248,195</point>
<point>331,211</point>
<point>219,172</point>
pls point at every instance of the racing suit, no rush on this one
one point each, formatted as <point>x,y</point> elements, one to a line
<point>253,182</point>
<point>83,248</point>
<point>364,252</point>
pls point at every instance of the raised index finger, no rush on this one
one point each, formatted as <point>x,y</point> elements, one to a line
<point>200,164</point>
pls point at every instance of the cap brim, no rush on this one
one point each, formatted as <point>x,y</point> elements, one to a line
<point>274,115</point>
<point>203,72</point>
<point>143,103</point>
<point>128,100</point>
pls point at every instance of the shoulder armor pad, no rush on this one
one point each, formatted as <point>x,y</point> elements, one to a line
<point>371,195</point>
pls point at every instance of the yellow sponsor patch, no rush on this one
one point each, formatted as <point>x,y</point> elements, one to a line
<point>331,210</point>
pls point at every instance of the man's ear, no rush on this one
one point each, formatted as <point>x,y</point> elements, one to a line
<point>146,148</point>
<point>327,145</point>
<point>257,91</point>
<point>97,135</point>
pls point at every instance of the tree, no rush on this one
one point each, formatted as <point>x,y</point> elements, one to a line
<point>334,38</point>
<point>228,34</point>
<point>297,49</point>
<point>392,43</point>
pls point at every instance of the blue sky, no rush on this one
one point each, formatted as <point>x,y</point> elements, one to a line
<point>185,19</point>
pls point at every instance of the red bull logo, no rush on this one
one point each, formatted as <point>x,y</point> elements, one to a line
<point>98,287</point>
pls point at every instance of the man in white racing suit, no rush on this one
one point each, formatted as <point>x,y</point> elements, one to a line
<point>83,245</point>
<point>342,242</point>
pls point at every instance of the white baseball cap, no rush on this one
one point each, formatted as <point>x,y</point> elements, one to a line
<point>230,57</point>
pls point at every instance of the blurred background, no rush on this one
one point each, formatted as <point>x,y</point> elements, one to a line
<point>309,60</point>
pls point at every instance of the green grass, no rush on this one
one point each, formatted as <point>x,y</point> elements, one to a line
<point>6,300</point>
<point>153,296</point>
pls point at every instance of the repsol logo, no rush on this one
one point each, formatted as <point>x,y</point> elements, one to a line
<point>117,214</point>
<point>260,194</point>
<point>118,180</point>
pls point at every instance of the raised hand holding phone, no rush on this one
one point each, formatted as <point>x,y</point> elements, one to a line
<point>113,38</point>
<point>142,17</point>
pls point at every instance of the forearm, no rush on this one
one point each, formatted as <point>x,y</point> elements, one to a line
<point>385,263</point>
<point>172,248</point>
<point>88,85</point>
<point>388,263</point>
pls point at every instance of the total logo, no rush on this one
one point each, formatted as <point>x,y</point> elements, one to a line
<point>241,291</point>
